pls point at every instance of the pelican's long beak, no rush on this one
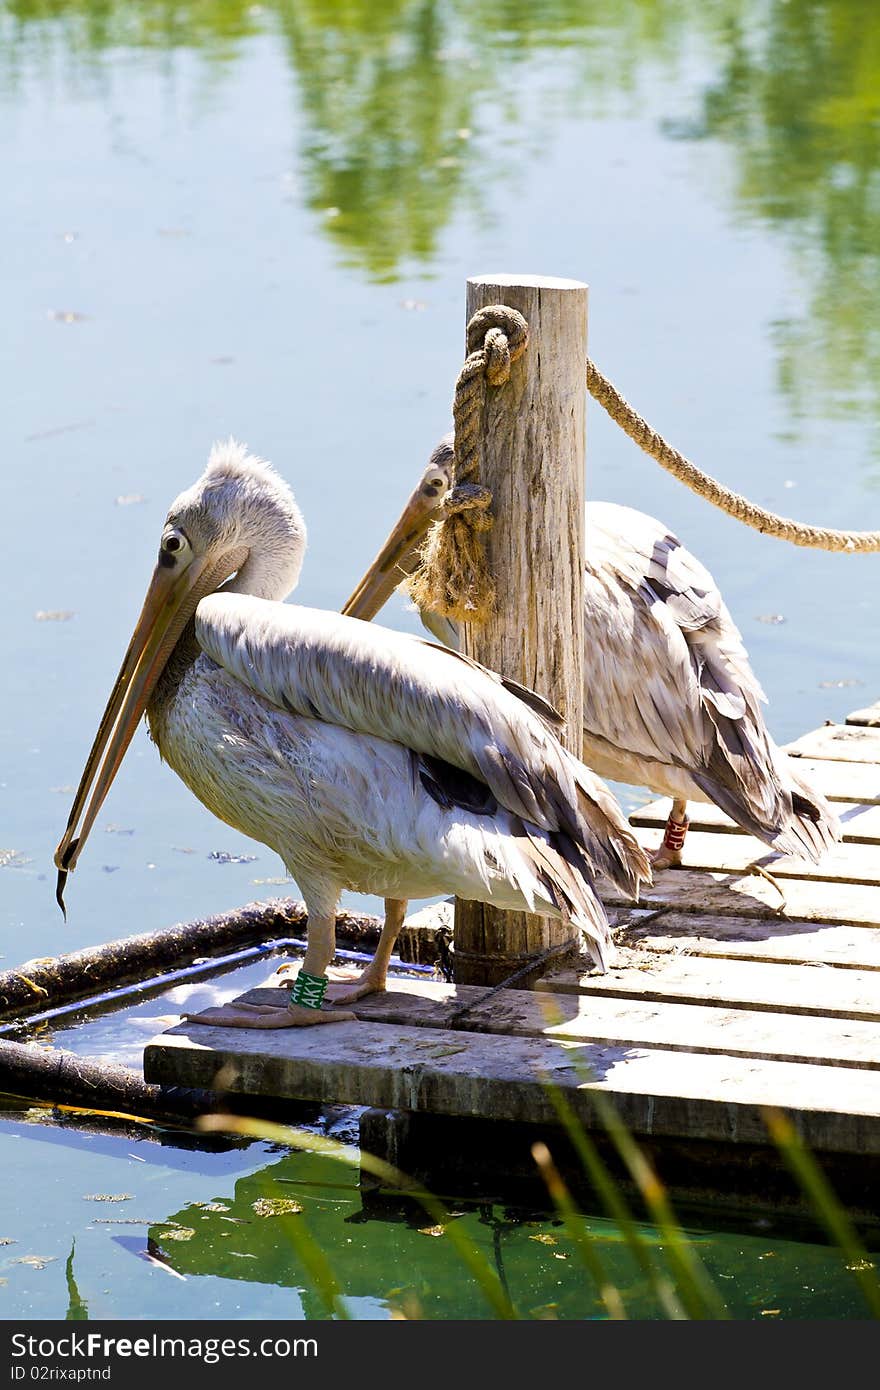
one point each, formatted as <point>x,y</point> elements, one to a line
<point>399,555</point>
<point>171,600</point>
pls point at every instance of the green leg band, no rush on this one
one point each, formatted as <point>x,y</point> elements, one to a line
<point>309,990</point>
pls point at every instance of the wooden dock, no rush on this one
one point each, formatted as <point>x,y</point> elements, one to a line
<point>719,1004</point>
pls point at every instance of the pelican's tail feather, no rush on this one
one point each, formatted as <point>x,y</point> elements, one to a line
<point>781,808</point>
<point>565,876</point>
<point>812,827</point>
<point>609,840</point>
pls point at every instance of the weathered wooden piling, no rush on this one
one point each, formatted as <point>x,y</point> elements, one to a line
<point>532,460</point>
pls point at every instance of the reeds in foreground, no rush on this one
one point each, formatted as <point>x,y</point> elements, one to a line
<point>677,1278</point>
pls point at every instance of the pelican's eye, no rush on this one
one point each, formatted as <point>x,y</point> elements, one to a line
<point>434,485</point>
<point>173,547</point>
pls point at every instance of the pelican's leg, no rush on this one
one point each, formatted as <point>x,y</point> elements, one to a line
<point>319,953</point>
<point>668,855</point>
<point>372,978</point>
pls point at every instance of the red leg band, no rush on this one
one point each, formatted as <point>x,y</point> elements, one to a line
<point>676,830</point>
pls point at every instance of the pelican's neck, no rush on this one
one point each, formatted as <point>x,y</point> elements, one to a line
<point>186,652</point>
<point>268,572</point>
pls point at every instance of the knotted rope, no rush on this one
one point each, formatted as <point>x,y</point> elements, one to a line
<point>453,577</point>
<point>769,523</point>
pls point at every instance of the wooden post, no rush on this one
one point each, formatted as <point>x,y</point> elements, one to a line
<point>532,459</point>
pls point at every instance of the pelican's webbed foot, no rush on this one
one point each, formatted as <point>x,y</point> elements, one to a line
<point>346,989</point>
<point>665,858</point>
<point>267,1016</point>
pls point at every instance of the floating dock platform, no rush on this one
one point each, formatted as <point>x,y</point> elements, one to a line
<point>718,1006</point>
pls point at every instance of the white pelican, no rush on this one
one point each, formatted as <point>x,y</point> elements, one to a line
<point>366,758</point>
<point>670,700</point>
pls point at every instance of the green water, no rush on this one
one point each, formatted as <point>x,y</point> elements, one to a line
<point>137,1225</point>
<point>258,219</point>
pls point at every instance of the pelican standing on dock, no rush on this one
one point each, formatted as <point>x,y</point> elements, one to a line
<point>367,759</point>
<point>670,699</point>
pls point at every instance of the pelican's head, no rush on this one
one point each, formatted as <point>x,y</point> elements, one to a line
<point>238,527</point>
<point>399,555</point>
<point>239,504</point>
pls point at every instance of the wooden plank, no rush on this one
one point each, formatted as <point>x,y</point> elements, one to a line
<point>748,895</point>
<point>869,716</point>
<point>840,780</point>
<point>683,979</point>
<point>859,823</point>
<point>750,938</point>
<point>850,743</point>
<point>628,1022</point>
<point>856,864</point>
<point>656,1091</point>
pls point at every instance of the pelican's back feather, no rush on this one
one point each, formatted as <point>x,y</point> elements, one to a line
<point>373,680</point>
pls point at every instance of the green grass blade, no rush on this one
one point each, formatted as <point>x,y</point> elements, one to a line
<point>316,1265</point>
<point>485,1276</point>
<point>698,1294</point>
<point>313,1259</point>
<point>825,1205</point>
<point>573,1222</point>
<point>615,1204</point>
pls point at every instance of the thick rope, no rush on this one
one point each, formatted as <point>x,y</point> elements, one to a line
<point>769,523</point>
<point>533,963</point>
<point>453,577</point>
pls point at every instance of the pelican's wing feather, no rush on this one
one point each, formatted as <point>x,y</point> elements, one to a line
<point>670,679</point>
<point>664,657</point>
<point>547,712</point>
<point>373,680</point>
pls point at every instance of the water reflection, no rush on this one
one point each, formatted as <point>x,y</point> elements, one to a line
<point>263,1233</point>
<point>798,101</point>
<point>386,156</point>
<point>384,1257</point>
<point>408,106</point>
